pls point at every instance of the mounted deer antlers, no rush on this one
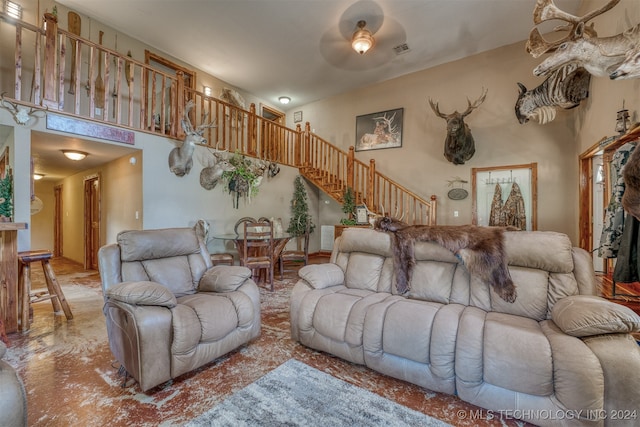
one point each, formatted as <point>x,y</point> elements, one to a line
<point>598,55</point>
<point>546,10</point>
<point>20,115</point>
<point>181,158</point>
<point>459,145</point>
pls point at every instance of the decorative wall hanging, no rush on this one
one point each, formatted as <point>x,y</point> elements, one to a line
<point>459,145</point>
<point>505,196</point>
<point>379,130</point>
<point>245,177</point>
<point>457,192</point>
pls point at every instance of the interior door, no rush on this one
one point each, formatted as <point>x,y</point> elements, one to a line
<point>92,221</point>
<point>57,221</point>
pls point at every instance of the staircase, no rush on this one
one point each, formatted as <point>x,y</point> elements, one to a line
<point>148,100</point>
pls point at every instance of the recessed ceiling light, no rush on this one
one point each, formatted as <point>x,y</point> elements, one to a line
<point>284,100</point>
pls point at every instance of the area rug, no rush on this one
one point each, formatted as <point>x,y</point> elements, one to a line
<point>295,394</point>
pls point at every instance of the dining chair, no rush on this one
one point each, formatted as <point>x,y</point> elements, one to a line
<point>296,256</point>
<point>257,251</point>
<point>240,223</point>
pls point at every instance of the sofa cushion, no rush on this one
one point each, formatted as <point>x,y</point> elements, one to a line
<point>321,276</point>
<point>586,315</point>
<point>139,245</point>
<point>142,293</point>
<point>223,278</point>
<point>516,355</point>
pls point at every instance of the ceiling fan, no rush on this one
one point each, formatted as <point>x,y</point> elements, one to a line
<point>336,43</point>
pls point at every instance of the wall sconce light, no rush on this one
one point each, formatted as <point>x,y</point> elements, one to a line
<point>12,9</point>
<point>207,91</point>
<point>38,176</point>
<point>74,154</point>
<point>362,39</point>
<point>284,100</point>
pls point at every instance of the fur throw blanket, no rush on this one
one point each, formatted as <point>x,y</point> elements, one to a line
<point>480,248</point>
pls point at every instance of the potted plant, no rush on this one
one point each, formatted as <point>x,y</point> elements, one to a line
<point>348,207</point>
<point>299,212</point>
<point>6,198</point>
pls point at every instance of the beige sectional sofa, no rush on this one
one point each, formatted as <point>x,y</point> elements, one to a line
<point>558,355</point>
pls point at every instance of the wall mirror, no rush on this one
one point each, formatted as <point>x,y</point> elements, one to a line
<point>505,196</point>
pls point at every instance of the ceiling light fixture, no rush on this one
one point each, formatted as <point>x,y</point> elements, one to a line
<point>74,154</point>
<point>38,176</point>
<point>362,39</point>
<point>284,100</point>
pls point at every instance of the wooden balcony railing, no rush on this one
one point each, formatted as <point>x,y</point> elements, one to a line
<point>80,78</point>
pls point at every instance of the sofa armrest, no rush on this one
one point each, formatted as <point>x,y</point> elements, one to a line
<point>320,276</point>
<point>587,315</point>
<point>142,293</point>
<point>223,278</point>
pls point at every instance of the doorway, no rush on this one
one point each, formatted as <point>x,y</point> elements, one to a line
<point>91,221</point>
<point>57,221</point>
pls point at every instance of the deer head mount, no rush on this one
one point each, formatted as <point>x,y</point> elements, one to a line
<point>600,56</point>
<point>20,115</point>
<point>459,145</point>
<point>181,158</point>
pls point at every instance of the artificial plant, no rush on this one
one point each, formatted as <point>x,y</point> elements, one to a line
<point>6,196</point>
<point>241,180</point>
<point>299,210</point>
<point>348,207</point>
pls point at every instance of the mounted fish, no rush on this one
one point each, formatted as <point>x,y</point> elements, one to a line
<point>564,88</point>
<point>459,145</point>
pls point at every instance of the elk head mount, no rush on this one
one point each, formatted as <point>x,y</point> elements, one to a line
<point>181,158</point>
<point>459,145</point>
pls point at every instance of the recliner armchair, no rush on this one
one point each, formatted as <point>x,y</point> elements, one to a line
<point>168,310</point>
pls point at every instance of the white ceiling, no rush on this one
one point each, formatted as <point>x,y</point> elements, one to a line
<point>301,48</point>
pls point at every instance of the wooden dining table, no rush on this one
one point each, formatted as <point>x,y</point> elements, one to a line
<point>280,240</point>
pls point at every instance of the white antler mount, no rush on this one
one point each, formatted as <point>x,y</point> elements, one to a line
<point>20,115</point>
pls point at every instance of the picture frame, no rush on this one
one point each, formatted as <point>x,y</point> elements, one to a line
<point>492,187</point>
<point>379,130</point>
<point>362,216</point>
<point>297,116</point>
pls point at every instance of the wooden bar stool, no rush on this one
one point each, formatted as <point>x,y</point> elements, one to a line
<point>53,292</point>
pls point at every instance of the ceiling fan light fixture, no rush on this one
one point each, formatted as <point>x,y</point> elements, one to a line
<point>362,39</point>
<point>74,154</point>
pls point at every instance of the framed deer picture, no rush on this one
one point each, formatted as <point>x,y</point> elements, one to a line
<point>379,130</point>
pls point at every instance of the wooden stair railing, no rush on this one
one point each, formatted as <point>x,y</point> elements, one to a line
<point>141,98</point>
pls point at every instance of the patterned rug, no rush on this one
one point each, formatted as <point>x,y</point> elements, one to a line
<point>295,394</point>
